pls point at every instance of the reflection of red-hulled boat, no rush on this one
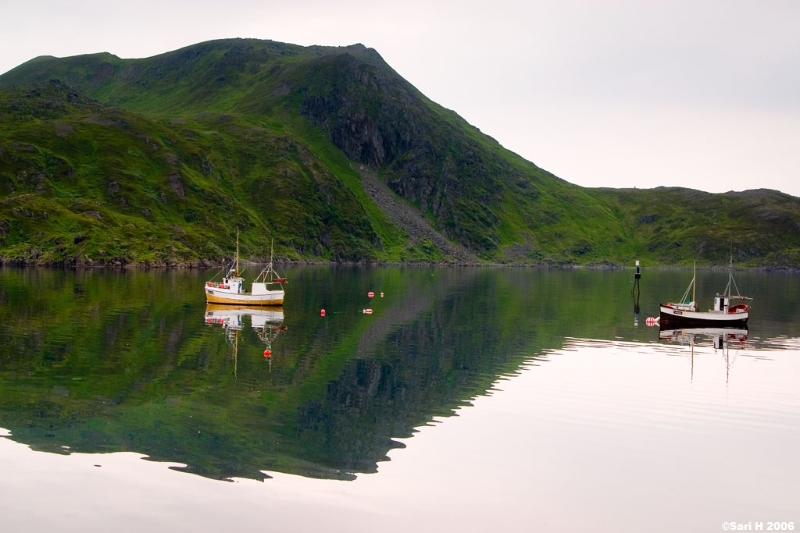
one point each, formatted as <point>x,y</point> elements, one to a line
<point>721,337</point>
<point>725,313</point>
<point>266,289</point>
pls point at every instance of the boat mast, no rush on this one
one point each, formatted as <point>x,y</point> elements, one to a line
<point>270,268</point>
<point>237,252</point>
<point>728,288</point>
<point>694,283</point>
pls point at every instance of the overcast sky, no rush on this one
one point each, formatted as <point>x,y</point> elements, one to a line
<point>701,94</point>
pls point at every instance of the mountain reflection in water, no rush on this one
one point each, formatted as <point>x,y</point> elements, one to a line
<point>100,361</point>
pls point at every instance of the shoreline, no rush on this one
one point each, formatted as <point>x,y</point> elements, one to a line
<point>206,264</point>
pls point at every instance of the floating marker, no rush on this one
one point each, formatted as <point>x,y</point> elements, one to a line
<point>367,311</point>
<point>321,312</point>
<point>370,294</point>
<point>267,353</point>
<point>650,321</point>
<point>381,295</point>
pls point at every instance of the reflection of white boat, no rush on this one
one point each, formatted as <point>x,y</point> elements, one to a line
<point>266,289</point>
<point>268,323</point>
<point>230,316</point>
<point>722,337</point>
<point>684,313</point>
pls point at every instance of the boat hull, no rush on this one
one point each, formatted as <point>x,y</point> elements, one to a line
<point>221,296</point>
<point>685,319</point>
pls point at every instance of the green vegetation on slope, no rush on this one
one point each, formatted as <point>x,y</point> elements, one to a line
<point>84,182</point>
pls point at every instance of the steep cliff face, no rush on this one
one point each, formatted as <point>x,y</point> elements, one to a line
<point>378,119</point>
<point>367,112</point>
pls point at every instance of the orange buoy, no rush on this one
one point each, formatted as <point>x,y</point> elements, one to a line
<point>322,312</point>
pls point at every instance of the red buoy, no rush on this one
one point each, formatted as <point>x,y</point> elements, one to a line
<point>370,294</point>
<point>322,312</point>
<point>367,311</point>
<point>267,353</point>
<point>650,321</point>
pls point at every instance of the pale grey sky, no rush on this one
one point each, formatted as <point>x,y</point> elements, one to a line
<point>701,94</point>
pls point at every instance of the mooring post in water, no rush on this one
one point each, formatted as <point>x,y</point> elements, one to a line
<point>635,291</point>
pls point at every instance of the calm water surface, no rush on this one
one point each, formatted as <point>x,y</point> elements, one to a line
<point>466,400</point>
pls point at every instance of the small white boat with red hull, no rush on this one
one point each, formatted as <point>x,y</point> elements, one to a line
<point>730,310</point>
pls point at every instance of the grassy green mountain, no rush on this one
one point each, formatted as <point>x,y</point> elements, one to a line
<point>328,153</point>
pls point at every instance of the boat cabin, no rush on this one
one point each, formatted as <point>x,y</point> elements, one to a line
<point>232,284</point>
<point>721,303</point>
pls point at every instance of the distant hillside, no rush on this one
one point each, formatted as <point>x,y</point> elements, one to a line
<point>329,153</point>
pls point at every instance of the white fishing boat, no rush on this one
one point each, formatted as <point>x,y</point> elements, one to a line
<point>265,289</point>
<point>725,313</point>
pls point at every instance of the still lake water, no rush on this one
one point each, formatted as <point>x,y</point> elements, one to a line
<point>468,400</point>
